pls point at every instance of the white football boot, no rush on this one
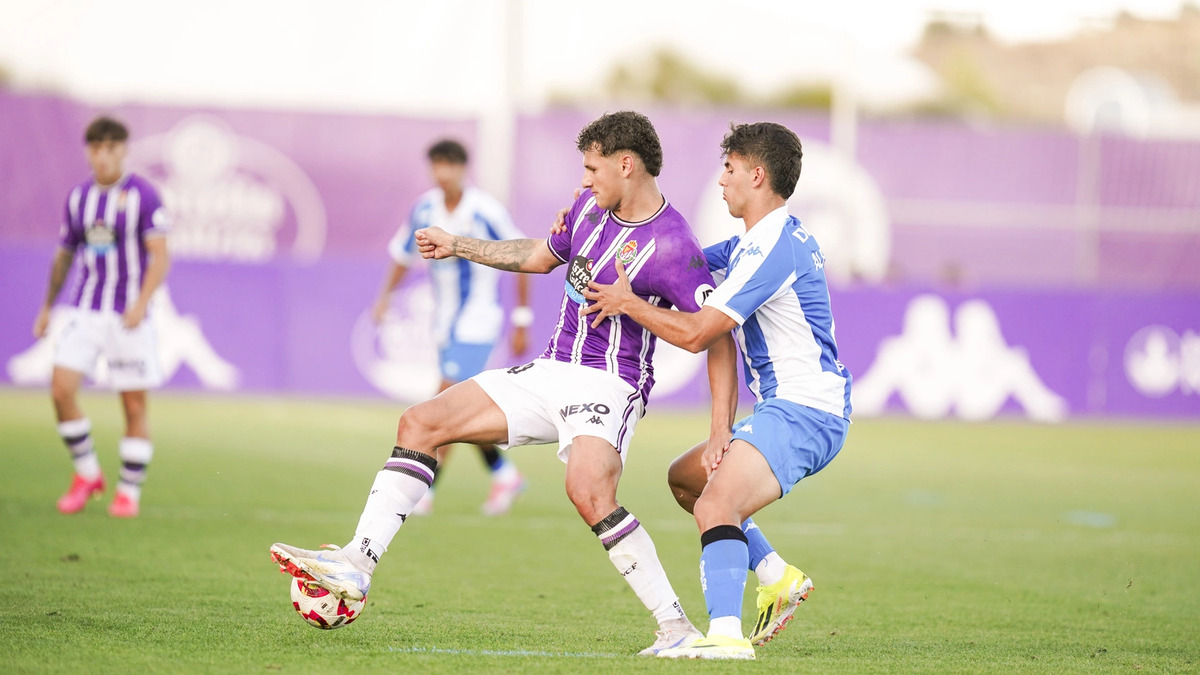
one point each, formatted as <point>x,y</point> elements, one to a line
<point>330,569</point>
<point>675,633</point>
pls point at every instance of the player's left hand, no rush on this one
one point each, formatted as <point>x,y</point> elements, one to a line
<point>133,316</point>
<point>435,243</point>
<point>714,452</point>
<point>608,299</point>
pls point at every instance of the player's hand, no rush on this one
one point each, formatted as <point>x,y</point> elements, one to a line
<point>608,300</point>
<point>133,316</point>
<point>714,452</point>
<point>520,341</point>
<point>560,218</point>
<point>379,310</point>
<point>42,323</point>
<point>435,243</point>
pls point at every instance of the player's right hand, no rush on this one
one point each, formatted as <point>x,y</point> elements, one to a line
<point>41,323</point>
<point>560,218</point>
<point>434,243</point>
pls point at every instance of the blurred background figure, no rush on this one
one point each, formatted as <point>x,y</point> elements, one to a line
<point>468,316</point>
<point>117,220</point>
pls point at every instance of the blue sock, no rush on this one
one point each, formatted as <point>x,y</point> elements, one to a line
<point>723,561</point>
<point>758,544</point>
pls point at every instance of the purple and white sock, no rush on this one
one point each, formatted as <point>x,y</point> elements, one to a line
<point>632,552</point>
<point>405,478</point>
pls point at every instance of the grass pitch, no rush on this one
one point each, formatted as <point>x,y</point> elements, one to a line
<point>934,547</point>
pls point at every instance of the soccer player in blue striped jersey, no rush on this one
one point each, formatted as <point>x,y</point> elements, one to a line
<point>116,224</point>
<point>772,292</point>
<point>468,316</point>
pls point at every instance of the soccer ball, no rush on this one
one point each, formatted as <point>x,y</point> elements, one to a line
<point>321,608</point>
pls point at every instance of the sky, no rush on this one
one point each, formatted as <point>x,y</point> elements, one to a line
<point>451,57</point>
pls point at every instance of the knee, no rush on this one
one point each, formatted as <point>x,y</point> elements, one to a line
<point>679,480</point>
<point>416,427</point>
<point>711,511</point>
<point>62,393</point>
<point>593,505</point>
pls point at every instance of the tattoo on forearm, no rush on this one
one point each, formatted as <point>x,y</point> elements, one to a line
<point>509,255</point>
<point>58,275</point>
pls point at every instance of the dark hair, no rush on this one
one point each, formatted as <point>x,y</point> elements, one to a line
<point>773,146</point>
<point>447,150</point>
<point>624,130</point>
<point>105,129</point>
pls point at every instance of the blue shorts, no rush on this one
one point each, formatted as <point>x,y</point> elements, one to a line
<point>462,360</point>
<point>796,440</point>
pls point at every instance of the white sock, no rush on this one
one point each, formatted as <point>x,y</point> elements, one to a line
<point>505,473</point>
<point>77,434</point>
<point>726,626</point>
<point>770,570</point>
<point>632,552</point>
<point>135,454</point>
<point>405,478</point>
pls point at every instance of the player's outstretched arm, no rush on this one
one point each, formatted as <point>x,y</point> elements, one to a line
<point>512,255</point>
<point>693,331</point>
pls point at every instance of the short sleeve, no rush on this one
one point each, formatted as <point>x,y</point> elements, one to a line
<point>153,220</point>
<point>402,245</point>
<point>753,281</point>
<point>682,276</point>
<point>560,242</point>
<point>68,237</point>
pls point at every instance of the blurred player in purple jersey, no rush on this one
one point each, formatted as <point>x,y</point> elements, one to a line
<point>468,317</point>
<point>116,224</point>
<point>586,392</point>
<point>774,295</point>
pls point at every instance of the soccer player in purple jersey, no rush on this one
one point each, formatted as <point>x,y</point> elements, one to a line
<point>774,295</point>
<point>586,391</point>
<point>116,224</point>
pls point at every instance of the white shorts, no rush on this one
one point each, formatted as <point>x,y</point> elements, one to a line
<point>547,401</point>
<point>131,356</point>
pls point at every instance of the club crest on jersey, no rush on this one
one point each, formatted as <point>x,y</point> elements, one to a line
<point>628,252</point>
<point>99,237</point>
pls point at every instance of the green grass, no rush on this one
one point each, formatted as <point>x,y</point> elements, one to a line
<point>934,547</point>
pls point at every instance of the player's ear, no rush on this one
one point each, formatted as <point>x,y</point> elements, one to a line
<point>758,176</point>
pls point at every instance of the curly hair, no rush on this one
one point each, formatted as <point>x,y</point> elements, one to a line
<point>624,130</point>
<point>774,146</point>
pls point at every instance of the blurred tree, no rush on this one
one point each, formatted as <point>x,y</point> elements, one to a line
<point>667,77</point>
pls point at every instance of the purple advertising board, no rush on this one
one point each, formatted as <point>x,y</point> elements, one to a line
<point>963,283</point>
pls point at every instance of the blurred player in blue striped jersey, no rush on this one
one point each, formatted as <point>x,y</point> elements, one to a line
<point>468,317</point>
<point>772,292</point>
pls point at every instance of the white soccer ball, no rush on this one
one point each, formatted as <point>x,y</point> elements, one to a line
<point>320,608</point>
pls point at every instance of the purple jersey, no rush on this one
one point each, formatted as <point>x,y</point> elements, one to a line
<point>665,265</point>
<point>111,225</point>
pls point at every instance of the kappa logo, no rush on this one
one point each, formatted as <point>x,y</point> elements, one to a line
<point>939,367</point>
<point>1160,361</point>
<point>593,217</point>
<point>595,419</point>
<point>594,408</point>
<point>628,252</point>
<point>697,262</point>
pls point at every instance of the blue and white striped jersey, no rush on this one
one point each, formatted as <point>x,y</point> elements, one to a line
<point>466,294</point>
<point>771,281</point>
